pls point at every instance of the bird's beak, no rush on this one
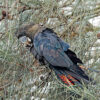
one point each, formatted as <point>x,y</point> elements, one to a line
<point>26,41</point>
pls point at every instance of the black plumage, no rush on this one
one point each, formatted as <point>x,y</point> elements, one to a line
<point>49,49</point>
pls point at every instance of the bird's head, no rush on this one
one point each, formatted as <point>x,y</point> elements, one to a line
<point>26,33</point>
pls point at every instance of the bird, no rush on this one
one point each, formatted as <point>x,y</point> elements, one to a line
<point>53,52</point>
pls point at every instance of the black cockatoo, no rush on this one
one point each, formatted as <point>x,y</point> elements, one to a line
<point>51,50</point>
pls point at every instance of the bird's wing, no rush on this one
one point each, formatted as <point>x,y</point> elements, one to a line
<point>52,48</point>
<point>56,56</point>
<point>69,53</point>
<point>48,46</point>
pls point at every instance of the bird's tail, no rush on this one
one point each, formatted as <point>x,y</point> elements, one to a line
<point>70,78</point>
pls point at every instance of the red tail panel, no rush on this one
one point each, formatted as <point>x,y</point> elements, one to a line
<point>69,80</point>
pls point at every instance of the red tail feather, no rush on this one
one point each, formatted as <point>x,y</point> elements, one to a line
<point>69,80</point>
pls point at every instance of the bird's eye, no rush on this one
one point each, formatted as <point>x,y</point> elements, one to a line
<point>23,39</point>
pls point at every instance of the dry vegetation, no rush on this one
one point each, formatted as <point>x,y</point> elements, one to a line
<point>20,76</point>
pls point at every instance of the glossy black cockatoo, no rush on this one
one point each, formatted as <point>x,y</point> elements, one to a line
<point>51,50</point>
